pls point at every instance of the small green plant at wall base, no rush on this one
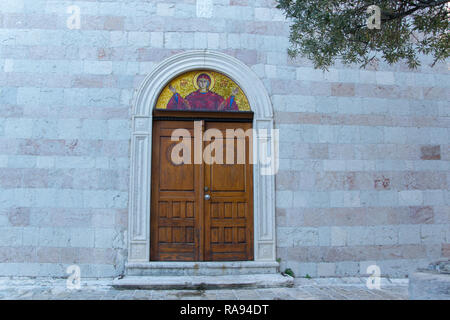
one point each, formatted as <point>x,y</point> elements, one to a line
<point>289,272</point>
<point>308,276</point>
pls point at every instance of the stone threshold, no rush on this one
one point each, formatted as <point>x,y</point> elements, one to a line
<point>203,282</point>
<point>164,268</point>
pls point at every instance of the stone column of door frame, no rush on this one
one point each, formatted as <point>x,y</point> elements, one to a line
<point>141,148</point>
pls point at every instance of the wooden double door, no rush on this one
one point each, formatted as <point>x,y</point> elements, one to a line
<point>201,211</point>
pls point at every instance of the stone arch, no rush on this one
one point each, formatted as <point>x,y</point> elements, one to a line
<point>140,165</point>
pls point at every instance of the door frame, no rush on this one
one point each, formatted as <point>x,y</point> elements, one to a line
<point>141,148</point>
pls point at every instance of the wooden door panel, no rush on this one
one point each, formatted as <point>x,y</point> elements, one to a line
<point>227,177</point>
<point>185,226</point>
<point>229,212</point>
<point>175,199</point>
<point>173,177</point>
<point>176,209</point>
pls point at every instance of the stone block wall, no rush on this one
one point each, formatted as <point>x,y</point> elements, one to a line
<point>365,154</point>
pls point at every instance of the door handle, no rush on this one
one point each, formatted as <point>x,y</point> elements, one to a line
<point>207,197</point>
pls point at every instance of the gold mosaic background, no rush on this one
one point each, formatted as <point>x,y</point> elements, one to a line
<point>185,85</point>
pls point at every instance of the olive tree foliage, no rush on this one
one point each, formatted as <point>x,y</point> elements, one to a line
<point>328,30</point>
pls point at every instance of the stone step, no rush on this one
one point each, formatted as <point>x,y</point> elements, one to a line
<point>203,282</point>
<point>164,268</point>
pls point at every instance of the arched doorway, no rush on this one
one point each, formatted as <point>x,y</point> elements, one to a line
<point>146,98</point>
<point>202,171</point>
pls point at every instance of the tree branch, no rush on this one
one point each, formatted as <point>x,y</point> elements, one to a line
<point>417,7</point>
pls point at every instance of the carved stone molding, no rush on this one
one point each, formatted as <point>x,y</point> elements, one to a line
<point>141,148</point>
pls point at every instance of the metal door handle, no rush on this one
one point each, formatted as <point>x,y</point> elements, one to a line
<point>207,197</point>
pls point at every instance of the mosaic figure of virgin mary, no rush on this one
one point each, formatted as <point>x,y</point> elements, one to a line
<point>205,91</point>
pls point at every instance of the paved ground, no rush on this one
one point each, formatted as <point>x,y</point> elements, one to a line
<point>304,289</point>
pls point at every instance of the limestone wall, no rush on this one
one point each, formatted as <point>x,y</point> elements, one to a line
<point>365,154</point>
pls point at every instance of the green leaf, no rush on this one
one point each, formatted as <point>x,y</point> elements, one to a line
<point>325,31</point>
